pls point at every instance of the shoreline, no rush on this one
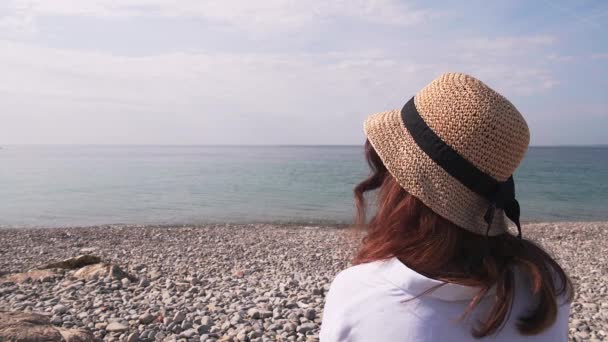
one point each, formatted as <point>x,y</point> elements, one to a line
<point>293,223</point>
<point>286,224</point>
<point>235,282</point>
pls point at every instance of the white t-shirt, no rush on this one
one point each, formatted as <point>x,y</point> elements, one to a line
<point>369,302</point>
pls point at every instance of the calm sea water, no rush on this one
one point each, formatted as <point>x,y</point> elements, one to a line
<point>91,185</point>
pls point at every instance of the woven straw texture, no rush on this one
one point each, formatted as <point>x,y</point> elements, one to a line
<point>477,122</point>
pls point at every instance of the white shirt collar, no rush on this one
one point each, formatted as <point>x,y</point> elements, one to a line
<point>416,284</point>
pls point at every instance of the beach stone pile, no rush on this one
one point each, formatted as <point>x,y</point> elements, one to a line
<point>212,283</point>
<point>257,282</point>
<point>21,326</point>
<point>582,249</point>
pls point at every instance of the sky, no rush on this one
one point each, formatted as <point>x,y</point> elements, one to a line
<point>238,72</point>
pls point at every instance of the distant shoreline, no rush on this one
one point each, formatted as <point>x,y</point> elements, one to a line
<point>317,224</point>
<point>253,145</point>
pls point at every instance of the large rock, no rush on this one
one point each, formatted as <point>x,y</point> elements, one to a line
<point>146,318</point>
<point>33,275</point>
<point>77,335</point>
<point>74,263</point>
<point>28,327</point>
<point>116,327</point>
<point>102,271</point>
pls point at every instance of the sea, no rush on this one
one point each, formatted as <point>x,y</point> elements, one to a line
<point>58,186</point>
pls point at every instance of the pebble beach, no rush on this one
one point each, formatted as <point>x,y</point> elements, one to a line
<point>255,282</point>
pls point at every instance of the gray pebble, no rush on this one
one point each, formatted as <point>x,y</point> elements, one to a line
<point>59,309</point>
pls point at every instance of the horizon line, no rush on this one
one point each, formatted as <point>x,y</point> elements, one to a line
<point>258,145</point>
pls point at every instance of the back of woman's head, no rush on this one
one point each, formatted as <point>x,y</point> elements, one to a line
<point>403,227</point>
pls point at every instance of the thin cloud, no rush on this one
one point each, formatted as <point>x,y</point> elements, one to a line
<point>17,23</point>
<point>600,55</point>
<point>241,14</point>
<point>501,46</point>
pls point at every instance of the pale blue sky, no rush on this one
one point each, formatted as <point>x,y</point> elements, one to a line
<point>285,71</point>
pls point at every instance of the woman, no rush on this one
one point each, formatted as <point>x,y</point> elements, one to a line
<point>438,262</point>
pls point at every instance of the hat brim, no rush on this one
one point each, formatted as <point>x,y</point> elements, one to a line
<point>420,176</point>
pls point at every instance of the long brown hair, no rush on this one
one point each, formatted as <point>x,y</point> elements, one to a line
<point>405,228</point>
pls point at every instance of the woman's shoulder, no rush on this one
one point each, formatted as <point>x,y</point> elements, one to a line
<point>361,283</point>
<point>358,273</point>
<point>356,297</point>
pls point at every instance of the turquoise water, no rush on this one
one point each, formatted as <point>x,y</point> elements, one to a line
<point>91,185</point>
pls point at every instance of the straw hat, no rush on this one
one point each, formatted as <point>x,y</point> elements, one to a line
<point>478,127</point>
